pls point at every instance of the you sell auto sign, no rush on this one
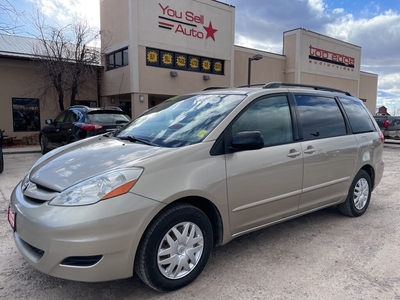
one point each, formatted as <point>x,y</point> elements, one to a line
<point>199,27</point>
<point>185,22</point>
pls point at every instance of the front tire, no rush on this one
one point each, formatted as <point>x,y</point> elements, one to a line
<point>175,248</point>
<point>43,144</point>
<point>359,196</point>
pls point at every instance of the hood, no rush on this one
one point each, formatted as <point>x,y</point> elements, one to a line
<point>65,166</point>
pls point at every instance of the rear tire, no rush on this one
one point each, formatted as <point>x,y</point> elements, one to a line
<point>175,248</point>
<point>43,144</point>
<point>359,196</point>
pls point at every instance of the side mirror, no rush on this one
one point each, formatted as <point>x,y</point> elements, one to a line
<point>247,140</point>
<point>49,121</point>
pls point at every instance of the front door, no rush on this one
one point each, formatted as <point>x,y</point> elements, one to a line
<point>264,185</point>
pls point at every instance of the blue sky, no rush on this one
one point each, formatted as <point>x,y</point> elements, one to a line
<point>373,25</point>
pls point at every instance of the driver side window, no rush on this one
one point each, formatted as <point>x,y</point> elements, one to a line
<point>60,118</point>
<point>271,116</point>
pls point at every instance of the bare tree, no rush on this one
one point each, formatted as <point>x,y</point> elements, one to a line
<point>396,111</point>
<point>65,57</point>
<point>9,18</point>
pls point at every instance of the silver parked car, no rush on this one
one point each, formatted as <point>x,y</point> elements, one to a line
<point>192,173</point>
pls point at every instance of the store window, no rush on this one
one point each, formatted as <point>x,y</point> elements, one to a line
<point>26,114</point>
<point>117,59</point>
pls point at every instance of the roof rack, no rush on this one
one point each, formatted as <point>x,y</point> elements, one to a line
<point>273,85</point>
<point>251,85</point>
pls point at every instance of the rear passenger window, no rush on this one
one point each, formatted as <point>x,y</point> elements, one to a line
<point>359,118</point>
<point>108,118</point>
<point>320,117</point>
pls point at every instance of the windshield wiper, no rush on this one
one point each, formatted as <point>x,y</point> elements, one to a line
<point>133,139</point>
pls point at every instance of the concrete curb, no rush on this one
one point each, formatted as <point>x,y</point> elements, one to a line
<point>22,150</point>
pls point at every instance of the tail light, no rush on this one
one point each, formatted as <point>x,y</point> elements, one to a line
<point>90,127</point>
<point>386,124</point>
<point>381,136</point>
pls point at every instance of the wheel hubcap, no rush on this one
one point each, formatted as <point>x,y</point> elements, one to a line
<point>180,250</point>
<point>361,193</point>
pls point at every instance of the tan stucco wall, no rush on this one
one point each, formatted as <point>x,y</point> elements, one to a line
<point>333,82</point>
<point>21,79</point>
<point>269,68</point>
<point>368,90</point>
<point>116,81</point>
<point>289,50</point>
<point>114,16</point>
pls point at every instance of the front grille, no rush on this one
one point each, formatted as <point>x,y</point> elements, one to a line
<point>34,201</point>
<point>37,194</point>
<point>81,261</point>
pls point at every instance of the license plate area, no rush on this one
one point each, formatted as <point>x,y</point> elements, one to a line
<point>12,218</point>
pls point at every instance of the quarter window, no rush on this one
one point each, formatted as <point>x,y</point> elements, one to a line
<point>271,116</point>
<point>359,118</point>
<point>320,117</point>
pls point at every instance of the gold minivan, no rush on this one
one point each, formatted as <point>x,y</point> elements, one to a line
<point>193,173</point>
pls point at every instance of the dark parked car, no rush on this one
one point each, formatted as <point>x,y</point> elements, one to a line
<point>79,122</point>
<point>389,125</point>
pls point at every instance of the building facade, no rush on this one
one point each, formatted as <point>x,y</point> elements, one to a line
<point>158,49</point>
<point>27,99</point>
<point>178,46</point>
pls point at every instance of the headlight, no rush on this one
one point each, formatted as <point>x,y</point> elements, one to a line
<point>101,187</point>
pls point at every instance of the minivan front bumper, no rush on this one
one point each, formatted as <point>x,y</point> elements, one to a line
<point>85,243</point>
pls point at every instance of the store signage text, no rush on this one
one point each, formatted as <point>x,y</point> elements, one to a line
<point>185,22</point>
<point>189,16</point>
<point>329,57</point>
<point>182,61</point>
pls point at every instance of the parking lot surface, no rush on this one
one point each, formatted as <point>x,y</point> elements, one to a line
<point>324,255</point>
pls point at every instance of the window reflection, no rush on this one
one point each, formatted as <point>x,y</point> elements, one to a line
<point>182,120</point>
<point>271,116</point>
<point>26,114</point>
<point>320,117</point>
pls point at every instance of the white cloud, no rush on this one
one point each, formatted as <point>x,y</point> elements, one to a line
<point>266,45</point>
<point>317,6</point>
<point>63,10</point>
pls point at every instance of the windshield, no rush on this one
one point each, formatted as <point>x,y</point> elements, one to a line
<point>181,121</point>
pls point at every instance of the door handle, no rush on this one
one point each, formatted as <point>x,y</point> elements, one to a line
<point>293,153</point>
<point>310,150</point>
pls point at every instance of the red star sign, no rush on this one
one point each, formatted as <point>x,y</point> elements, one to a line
<point>210,31</point>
